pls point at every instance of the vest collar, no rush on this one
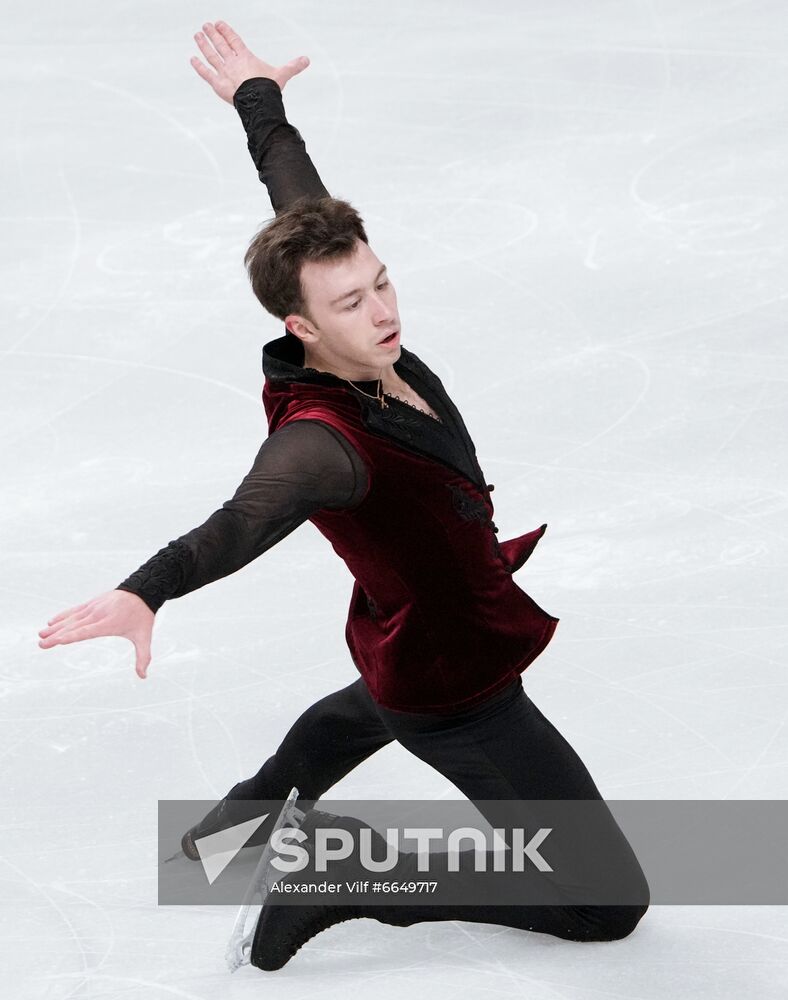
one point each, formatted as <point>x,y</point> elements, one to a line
<point>449,442</point>
<point>283,361</point>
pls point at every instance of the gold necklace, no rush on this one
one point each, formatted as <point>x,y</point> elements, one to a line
<point>383,404</point>
<point>378,397</point>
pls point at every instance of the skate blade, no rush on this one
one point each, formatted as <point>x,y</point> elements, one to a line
<point>239,947</point>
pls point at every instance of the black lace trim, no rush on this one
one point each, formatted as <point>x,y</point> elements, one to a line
<point>247,100</point>
<point>444,438</point>
<point>407,402</point>
<point>409,427</point>
<point>160,578</point>
<point>390,395</point>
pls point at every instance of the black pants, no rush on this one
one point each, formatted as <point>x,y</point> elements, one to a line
<point>503,748</point>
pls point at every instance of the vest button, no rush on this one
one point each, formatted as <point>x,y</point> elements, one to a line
<point>490,487</point>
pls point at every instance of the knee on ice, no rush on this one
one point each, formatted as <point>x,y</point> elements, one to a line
<point>611,923</point>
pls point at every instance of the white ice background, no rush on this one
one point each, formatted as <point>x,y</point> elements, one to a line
<point>583,209</point>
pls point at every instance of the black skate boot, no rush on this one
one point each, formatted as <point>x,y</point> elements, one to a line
<point>236,807</point>
<point>239,947</point>
<point>226,813</point>
<point>282,928</point>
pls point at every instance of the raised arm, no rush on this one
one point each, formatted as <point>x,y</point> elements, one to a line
<point>300,468</point>
<point>254,88</point>
<point>276,146</point>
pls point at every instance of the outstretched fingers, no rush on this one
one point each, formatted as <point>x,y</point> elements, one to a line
<point>210,53</point>
<point>218,40</point>
<point>66,613</point>
<point>67,622</point>
<point>232,37</point>
<point>73,633</point>
<point>203,70</point>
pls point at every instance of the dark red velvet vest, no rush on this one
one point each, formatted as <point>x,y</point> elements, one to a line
<point>436,622</point>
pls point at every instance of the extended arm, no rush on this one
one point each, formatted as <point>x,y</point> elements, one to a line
<point>276,146</point>
<point>299,469</point>
<point>303,466</point>
<point>254,87</point>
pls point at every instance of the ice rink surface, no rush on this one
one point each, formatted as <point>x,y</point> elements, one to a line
<point>582,211</point>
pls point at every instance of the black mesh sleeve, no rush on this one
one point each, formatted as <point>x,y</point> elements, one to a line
<point>302,467</point>
<point>276,146</point>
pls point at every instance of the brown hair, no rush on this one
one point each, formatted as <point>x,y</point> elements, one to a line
<point>311,228</point>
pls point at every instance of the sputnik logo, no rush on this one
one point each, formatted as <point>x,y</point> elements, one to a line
<point>217,850</point>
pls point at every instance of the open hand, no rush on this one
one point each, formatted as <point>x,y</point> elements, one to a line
<point>117,612</point>
<point>233,63</point>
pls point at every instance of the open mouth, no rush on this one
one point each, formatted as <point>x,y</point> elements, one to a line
<point>390,339</point>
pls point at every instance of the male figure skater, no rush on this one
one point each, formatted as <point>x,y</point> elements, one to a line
<point>365,442</point>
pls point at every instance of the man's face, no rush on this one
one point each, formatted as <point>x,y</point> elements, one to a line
<point>353,306</point>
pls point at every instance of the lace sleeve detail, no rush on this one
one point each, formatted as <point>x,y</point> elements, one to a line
<point>299,469</point>
<point>276,147</point>
<point>160,578</point>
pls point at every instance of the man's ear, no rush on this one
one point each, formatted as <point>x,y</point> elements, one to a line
<point>299,328</point>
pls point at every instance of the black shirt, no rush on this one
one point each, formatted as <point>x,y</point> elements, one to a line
<point>301,467</point>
